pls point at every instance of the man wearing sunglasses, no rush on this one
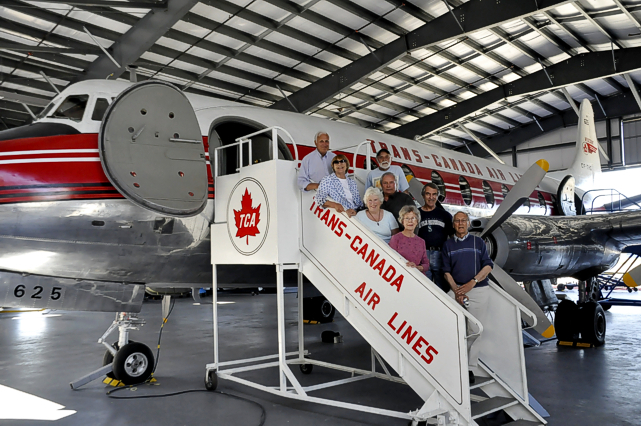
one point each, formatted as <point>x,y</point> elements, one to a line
<point>317,164</point>
<point>466,265</point>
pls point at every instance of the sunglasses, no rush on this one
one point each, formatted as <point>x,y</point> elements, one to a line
<point>339,161</point>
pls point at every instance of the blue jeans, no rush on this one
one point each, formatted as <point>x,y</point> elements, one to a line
<point>435,271</point>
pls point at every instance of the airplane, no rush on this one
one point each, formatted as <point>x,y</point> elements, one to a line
<point>94,209</point>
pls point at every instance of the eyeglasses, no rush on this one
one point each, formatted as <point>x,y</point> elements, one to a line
<point>339,161</point>
<point>409,219</point>
<point>461,221</point>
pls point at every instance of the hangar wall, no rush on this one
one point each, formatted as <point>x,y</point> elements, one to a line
<point>558,147</point>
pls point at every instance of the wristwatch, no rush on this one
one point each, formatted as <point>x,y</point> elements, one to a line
<point>475,280</point>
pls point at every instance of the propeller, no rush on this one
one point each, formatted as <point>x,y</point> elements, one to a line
<point>519,193</point>
<point>514,199</point>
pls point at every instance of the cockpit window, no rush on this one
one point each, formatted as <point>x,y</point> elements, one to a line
<point>99,110</point>
<point>73,107</point>
<point>45,111</point>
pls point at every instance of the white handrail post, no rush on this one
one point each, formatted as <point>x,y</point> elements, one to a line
<point>215,173</point>
<point>214,296</point>
<point>280,301</point>
<point>240,155</point>
<point>275,143</point>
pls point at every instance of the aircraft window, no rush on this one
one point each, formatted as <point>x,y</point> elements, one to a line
<point>466,190</point>
<point>73,107</point>
<point>504,191</point>
<point>489,194</point>
<point>99,110</point>
<point>542,201</point>
<point>438,181</point>
<point>45,111</point>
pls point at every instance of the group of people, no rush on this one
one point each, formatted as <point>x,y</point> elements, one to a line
<point>429,238</point>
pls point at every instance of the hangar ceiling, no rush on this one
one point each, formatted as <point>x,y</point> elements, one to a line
<point>506,70</point>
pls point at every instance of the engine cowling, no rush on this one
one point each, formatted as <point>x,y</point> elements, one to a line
<point>535,248</point>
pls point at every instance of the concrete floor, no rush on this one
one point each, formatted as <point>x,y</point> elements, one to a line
<point>40,355</point>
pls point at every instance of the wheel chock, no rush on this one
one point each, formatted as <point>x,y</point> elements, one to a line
<point>575,344</point>
<point>117,383</point>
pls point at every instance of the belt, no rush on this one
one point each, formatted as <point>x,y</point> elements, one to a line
<point>434,249</point>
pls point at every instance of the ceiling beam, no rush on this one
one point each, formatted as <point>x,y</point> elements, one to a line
<point>618,105</point>
<point>472,16</point>
<point>137,40</point>
<point>139,4</point>
<point>578,69</point>
<point>16,97</point>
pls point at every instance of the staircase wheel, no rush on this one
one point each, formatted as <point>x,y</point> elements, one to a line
<point>306,368</point>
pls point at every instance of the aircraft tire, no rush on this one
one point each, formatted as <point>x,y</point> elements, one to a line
<point>593,323</point>
<point>318,309</point>
<point>606,306</point>
<point>211,380</point>
<point>566,321</point>
<point>133,363</point>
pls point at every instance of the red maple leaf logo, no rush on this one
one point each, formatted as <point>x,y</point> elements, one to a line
<point>247,217</point>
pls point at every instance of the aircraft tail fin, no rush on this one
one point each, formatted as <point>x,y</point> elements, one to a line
<point>587,162</point>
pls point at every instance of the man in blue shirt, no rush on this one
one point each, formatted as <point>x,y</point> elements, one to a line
<point>317,164</point>
<point>466,265</point>
<point>434,228</point>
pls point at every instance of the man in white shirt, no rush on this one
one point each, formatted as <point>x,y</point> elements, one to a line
<point>384,160</point>
<point>317,164</point>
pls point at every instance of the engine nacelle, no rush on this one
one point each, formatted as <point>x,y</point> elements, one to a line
<point>534,248</point>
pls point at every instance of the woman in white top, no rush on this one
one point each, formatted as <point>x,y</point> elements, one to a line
<point>379,221</point>
<point>341,188</point>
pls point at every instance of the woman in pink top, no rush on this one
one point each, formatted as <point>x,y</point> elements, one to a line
<point>408,244</point>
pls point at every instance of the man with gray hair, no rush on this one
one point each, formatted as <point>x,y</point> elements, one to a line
<point>394,200</point>
<point>466,265</point>
<point>317,164</point>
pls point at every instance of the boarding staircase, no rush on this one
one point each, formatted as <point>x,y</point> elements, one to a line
<point>262,218</point>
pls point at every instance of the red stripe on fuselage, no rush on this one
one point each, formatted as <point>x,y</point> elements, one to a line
<point>57,179</point>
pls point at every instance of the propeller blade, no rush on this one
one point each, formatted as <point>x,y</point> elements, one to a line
<point>522,190</point>
<point>543,325</point>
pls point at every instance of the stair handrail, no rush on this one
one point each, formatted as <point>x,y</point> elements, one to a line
<point>274,130</point>
<point>613,192</point>
<point>246,139</point>
<point>518,304</point>
<point>367,156</point>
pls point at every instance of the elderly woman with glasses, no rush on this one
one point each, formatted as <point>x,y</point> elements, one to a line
<point>381,222</point>
<point>409,245</point>
<point>340,188</point>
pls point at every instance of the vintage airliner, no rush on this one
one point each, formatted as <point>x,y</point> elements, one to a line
<point>83,226</point>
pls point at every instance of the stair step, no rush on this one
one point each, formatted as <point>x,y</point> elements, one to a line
<point>491,405</point>
<point>481,381</point>
<point>523,423</point>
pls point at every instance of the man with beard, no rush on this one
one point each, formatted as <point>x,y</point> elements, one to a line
<point>384,160</point>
